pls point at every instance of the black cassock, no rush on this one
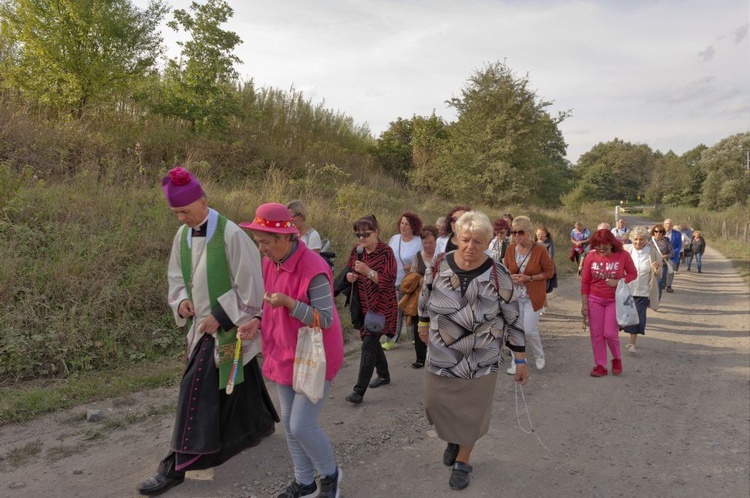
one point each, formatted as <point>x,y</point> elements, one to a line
<point>212,426</point>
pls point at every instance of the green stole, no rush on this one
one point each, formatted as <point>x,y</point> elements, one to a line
<point>219,282</point>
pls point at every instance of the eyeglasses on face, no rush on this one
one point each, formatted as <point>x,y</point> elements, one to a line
<point>295,215</point>
<point>518,232</point>
<point>658,231</point>
<point>362,235</point>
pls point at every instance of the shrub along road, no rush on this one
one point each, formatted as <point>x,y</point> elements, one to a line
<point>675,423</point>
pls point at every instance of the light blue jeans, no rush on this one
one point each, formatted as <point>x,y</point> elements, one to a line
<point>309,446</point>
<point>698,257</point>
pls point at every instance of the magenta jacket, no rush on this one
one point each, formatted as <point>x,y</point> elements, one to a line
<point>279,329</point>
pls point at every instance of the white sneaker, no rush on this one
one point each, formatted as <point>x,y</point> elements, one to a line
<point>544,310</point>
<point>630,347</point>
<point>511,369</point>
<point>540,363</point>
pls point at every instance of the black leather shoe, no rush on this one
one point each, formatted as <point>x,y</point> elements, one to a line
<point>380,381</point>
<point>159,483</point>
<point>450,454</point>
<point>460,475</point>
<point>355,398</point>
<point>417,364</point>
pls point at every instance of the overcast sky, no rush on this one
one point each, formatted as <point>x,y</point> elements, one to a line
<point>671,74</point>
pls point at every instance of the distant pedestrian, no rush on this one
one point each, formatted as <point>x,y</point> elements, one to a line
<point>645,288</point>
<point>448,242</point>
<point>675,238</point>
<point>405,245</point>
<point>500,241</point>
<point>307,234</point>
<point>621,231</point>
<point>665,249</point>
<point>697,248</point>
<point>580,238</point>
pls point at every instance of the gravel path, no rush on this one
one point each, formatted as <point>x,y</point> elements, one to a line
<point>676,423</point>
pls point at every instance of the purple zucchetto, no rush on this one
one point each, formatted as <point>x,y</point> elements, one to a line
<point>181,187</point>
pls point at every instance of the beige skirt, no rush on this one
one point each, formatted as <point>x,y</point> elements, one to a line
<point>460,409</point>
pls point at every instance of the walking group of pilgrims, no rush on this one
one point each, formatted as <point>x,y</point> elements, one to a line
<point>466,292</point>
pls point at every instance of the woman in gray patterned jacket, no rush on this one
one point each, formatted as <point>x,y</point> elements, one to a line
<point>466,308</point>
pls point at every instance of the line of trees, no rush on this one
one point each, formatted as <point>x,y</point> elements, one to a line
<point>99,61</point>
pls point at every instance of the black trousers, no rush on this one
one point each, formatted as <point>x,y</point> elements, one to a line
<point>419,346</point>
<point>372,358</point>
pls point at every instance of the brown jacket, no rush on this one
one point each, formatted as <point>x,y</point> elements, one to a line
<point>538,262</point>
<point>411,286</point>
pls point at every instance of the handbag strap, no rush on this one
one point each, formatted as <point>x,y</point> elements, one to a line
<point>527,256</point>
<point>316,319</point>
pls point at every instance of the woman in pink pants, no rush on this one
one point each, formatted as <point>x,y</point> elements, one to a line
<point>605,265</point>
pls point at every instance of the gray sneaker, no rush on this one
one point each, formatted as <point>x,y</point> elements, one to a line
<point>329,485</point>
<point>297,490</point>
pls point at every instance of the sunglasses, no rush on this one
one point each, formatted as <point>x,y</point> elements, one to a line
<point>362,235</point>
<point>453,219</point>
<point>518,232</point>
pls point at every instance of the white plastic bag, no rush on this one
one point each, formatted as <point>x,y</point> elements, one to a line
<point>627,314</point>
<point>310,362</point>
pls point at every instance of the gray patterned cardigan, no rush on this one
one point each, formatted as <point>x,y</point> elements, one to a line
<point>467,328</point>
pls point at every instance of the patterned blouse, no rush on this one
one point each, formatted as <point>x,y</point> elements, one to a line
<point>470,313</point>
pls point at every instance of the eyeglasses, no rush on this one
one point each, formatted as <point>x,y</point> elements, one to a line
<point>658,231</point>
<point>518,232</point>
<point>453,219</point>
<point>295,215</point>
<point>362,235</point>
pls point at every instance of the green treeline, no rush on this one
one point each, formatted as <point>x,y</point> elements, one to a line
<point>92,116</point>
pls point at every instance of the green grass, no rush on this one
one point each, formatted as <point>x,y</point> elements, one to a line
<point>23,402</point>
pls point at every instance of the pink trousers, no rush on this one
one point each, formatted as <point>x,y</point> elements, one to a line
<point>603,328</point>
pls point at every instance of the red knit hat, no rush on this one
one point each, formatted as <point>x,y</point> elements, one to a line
<point>271,217</point>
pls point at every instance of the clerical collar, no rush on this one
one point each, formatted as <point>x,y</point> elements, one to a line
<point>201,230</point>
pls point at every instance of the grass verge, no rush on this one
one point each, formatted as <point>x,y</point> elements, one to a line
<point>20,403</point>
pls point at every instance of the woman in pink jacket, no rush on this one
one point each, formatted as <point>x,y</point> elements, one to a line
<point>605,265</point>
<point>298,282</point>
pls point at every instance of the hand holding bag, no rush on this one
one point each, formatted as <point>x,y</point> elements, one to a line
<point>310,361</point>
<point>627,314</point>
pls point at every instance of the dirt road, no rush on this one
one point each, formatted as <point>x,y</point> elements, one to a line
<point>676,423</point>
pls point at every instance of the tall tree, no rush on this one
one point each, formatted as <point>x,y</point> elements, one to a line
<point>615,170</point>
<point>73,54</point>
<point>200,86</point>
<point>727,177</point>
<point>504,148</point>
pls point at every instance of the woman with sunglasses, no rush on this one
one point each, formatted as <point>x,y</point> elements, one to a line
<point>664,247</point>
<point>530,266</point>
<point>449,241</point>
<point>373,273</point>
<point>603,268</point>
